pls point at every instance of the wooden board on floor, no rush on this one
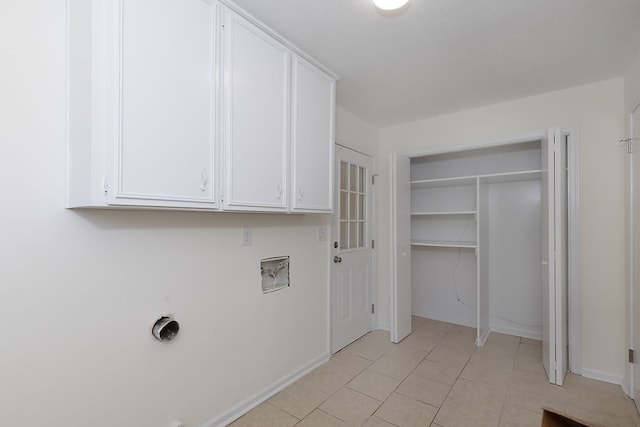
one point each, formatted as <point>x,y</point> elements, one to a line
<point>553,418</point>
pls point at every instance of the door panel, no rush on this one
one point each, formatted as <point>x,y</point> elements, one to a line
<point>313,97</point>
<point>554,312</point>
<point>256,117</point>
<point>166,102</point>
<point>352,262</point>
<point>546,204</point>
<point>401,248</point>
<point>562,258</point>
<point>344,294</point>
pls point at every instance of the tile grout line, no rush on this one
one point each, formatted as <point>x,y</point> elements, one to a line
<point>422,360</point>
<point>344,386</point>
<point>401,381</point>
<point>510,378</point>
<point>409,349</point>
<point>454,383</point>
<point>373,361</point>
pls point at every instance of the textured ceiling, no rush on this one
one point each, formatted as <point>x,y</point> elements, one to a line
<point>440,56</point>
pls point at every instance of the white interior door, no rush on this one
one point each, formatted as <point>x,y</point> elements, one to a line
<point>352,257</point>
<point>634,205</point>
<point>548,320</point>
<point>401,248</point>
<point>554,312</point>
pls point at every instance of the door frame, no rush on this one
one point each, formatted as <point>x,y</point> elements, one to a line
<point>574,309</point>
<point>333,234</point>
<point>628,383</point>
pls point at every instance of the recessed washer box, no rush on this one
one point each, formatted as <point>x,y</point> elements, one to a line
<point>275,273</point>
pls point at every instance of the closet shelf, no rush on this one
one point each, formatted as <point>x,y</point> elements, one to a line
<point>452,213</point>
<point>444,244</point>
<point>511,176</point>
<point>443,182</point>
<point>471,179</point>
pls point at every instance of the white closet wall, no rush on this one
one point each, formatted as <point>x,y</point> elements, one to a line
<point>515,258</point>
<point>439,277</point>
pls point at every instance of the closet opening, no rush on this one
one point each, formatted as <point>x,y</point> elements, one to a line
<point>489,239</point>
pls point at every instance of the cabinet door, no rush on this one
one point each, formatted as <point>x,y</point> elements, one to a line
<point>164,95</point>
<point>313,97</point>
<point>256,118</point>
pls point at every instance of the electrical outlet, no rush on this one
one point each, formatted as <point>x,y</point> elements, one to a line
<point>246,239</point>
<point>322,234</point>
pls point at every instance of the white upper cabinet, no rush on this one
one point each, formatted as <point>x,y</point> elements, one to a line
<point>191,104</point>
<point>166,101</point>
<point>153,106</point>
<point>312,130</point>
<point>256,117</point>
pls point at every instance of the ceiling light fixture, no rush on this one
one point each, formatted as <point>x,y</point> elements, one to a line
<point>390,4</point>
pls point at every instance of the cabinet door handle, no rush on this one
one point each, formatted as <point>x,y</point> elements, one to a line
<point>203,185</point>
<point>300,193</point>
<point>279,192</point>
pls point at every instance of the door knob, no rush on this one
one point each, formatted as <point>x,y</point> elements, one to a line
<point>337,259</point>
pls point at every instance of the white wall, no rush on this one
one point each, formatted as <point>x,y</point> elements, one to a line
<point>632,84</point>
<point>80,289</point>
<point>596,110</point>
<point>355,133</point>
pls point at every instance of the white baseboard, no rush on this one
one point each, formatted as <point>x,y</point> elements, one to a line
<point>448,319</point>
<point>385,326</point>
<point>627,380</point>
<point>626,389</point>
<point>482,339</point>
<point>516,331</point>
<point>602,376</point>
<point>242,408</point>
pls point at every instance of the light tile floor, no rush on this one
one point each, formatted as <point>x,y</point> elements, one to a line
<point>438,377</point>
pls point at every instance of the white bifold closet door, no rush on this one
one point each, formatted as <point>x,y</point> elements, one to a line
<point>554,316</point>
<point>401,248</point>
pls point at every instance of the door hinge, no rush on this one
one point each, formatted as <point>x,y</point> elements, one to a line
<point>629,142</point>
<point>373,308</point>
<point>630,356</point>
<point>373,244</point>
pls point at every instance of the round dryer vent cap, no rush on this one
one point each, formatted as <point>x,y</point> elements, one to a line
<point>165,329</point>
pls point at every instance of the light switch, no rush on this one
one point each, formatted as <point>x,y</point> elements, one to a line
<point>246,238</point>
<point>322,234</point>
